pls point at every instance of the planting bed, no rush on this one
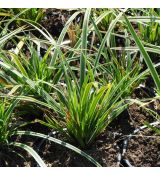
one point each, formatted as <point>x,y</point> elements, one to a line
<point>114,147</point>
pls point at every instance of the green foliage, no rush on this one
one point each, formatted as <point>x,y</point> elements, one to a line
<point>5,121</point>
<point>145,54</point>
<point>87,112</point>
<point>33,14</point>
<point>7,129</point>
<point>150,31</point>
<point>82,86</point>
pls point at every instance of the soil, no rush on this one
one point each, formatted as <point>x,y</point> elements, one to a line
<point>144,150</point>
<point>104,150</point>
<point>55,20</point>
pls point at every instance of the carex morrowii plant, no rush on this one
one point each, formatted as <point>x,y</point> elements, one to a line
<point>89,111</point>
<point>86,111</point>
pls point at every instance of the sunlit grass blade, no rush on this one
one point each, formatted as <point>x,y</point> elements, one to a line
<point>132,48</point>
<point>18,63</point>
<point>84,46</point>
<point>11,34</point>
<point>31,152</point>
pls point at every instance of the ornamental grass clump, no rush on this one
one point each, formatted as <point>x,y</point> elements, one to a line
<point>87,111</point>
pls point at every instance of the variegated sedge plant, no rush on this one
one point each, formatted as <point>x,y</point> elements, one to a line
<point>85,108</point>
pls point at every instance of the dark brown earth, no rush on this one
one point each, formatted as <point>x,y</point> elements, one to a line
<point>55,20</point>
<point>144,150</point>
<point>104,151</point>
